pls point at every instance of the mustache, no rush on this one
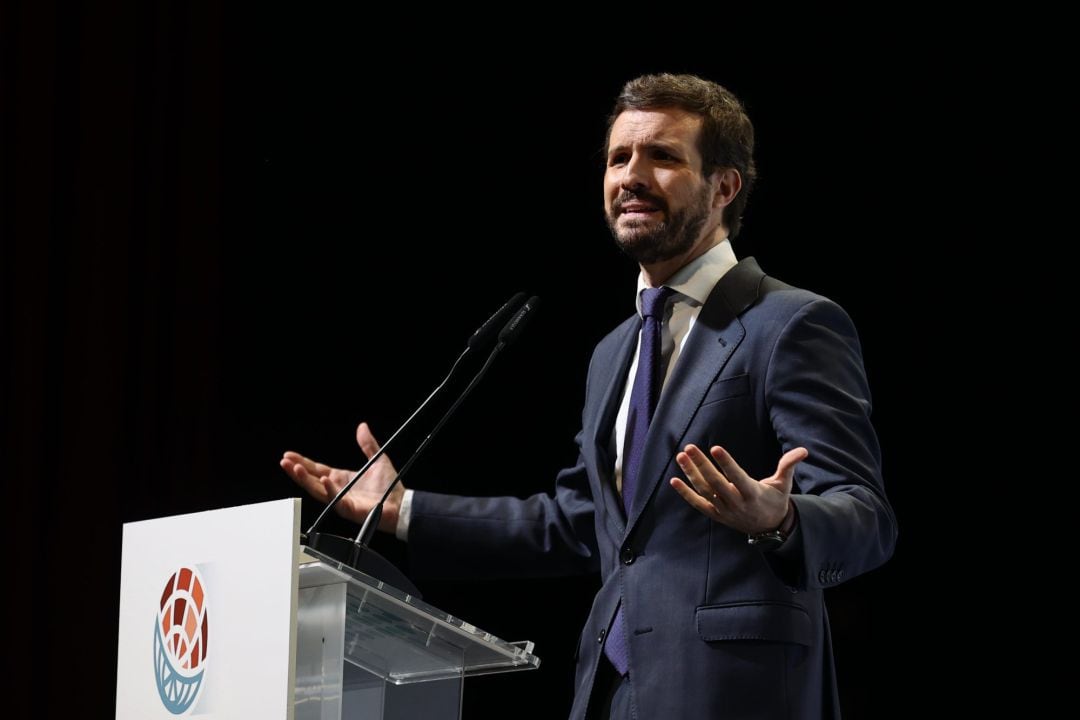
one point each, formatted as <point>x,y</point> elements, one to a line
<point>641,196</point>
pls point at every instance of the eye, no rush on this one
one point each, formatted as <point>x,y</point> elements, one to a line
<point>619,158</point>
<point>665,156</point>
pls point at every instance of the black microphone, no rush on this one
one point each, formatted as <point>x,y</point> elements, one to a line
<point>509,333</point>
<point>512,329</point>
<point>482,335</point>
<point>485,331</point>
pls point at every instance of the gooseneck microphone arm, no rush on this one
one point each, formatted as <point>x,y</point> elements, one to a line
<point>367,530</point>
<point>508,335</point>
<point>382,450</point>
<point>482,334</point>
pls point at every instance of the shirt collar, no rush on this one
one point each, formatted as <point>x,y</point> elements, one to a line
<point>695,280</point>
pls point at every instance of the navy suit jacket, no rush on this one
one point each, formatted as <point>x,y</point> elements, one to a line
<point>716,628</point>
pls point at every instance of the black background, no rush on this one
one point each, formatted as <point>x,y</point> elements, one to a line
<point>229,232</point>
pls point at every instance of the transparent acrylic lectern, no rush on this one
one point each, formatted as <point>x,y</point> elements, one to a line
<point>366,649</point>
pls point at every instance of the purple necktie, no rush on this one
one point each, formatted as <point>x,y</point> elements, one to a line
<point>643,399</point>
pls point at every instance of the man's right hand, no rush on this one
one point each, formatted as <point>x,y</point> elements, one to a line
<point>323,482</point>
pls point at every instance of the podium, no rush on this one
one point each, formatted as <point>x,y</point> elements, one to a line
<point>248,623</point>
<point>366,649</point>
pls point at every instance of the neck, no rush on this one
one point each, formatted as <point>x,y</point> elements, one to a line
<point>657,273</point>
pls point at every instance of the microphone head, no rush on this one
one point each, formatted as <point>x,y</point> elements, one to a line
<point>517,323</point>
<point>485,332</point>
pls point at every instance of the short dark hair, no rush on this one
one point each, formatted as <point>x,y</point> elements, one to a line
<point>727,135</point>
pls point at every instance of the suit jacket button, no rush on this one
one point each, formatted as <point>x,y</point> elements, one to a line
<point>627,556</point>
<point>600,637</point>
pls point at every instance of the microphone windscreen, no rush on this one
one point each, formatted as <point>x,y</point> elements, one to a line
<point>512,329</point>
<point>496,321</point>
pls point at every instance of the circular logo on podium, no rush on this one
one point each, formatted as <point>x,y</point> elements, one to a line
<point>181,630</point>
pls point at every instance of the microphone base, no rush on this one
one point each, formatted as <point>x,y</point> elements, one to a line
<point>360,558</point>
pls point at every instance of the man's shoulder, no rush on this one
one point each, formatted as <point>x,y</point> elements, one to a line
<point>776,293</point>
<point>765,304</point>
<point>747,287</point>
<point>782,307</point>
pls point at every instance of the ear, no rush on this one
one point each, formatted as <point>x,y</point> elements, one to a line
<point>726,184</point>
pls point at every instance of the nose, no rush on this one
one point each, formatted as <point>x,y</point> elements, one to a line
<point>635,174</point>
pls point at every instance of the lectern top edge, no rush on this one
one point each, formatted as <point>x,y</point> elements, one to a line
<point>318,569</point>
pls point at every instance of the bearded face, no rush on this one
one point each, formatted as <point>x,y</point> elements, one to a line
<point>657,201</point>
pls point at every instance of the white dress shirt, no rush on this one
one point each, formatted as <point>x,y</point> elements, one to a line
<point>692,284</point>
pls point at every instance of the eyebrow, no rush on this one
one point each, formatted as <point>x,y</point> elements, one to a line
<point>653,145</point>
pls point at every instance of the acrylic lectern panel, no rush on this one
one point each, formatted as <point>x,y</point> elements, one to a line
<point>368,649</point>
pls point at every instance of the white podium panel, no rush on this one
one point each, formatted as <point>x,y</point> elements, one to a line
<point>208,614</point>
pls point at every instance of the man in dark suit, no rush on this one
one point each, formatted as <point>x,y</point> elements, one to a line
<point>728,470</point>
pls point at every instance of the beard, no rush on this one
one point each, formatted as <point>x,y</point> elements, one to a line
<point>648,242</point>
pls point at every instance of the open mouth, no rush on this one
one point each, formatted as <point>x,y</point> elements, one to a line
<point>639,207</point>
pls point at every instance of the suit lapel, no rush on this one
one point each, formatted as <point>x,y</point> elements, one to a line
<point>717,333</point>
<point>610,378</point>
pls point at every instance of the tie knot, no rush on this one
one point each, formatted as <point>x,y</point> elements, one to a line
<point>653,300</point>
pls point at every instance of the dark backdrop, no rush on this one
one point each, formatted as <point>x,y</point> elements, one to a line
<point>228,233</point>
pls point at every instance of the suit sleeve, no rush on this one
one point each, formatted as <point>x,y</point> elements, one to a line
<point>818,398</point>
<point>538,536</point>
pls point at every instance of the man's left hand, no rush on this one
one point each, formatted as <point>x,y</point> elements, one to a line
<point>725,493</point>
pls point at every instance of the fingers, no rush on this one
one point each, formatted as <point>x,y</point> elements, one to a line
<point>331,485</point>
<point>705,477</point>
<point>785,469</point>
<point>695,500</point>
<point>293,465</point>
<point>366,440</point>
<point>738,477</point>
<point>311,466</point>
<point>321,481</point>
<point>298,471</point>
